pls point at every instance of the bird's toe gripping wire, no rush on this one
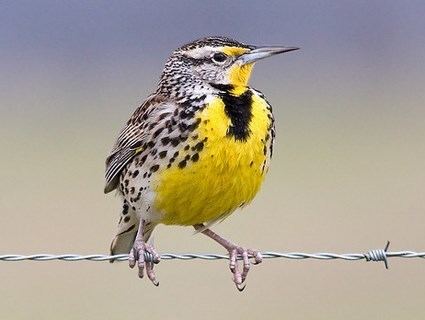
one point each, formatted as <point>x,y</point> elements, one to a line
<point>146,257</point>
<point>239,253</point>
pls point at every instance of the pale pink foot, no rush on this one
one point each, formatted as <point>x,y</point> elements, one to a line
<point>145,256</point>
<point>238,253</point>
<point>235,253</point>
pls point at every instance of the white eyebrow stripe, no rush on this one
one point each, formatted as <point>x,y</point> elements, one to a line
<point>199,53</point>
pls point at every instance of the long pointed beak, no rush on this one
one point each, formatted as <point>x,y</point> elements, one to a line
<point>263,52</point>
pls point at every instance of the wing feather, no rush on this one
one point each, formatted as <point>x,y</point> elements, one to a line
<point>130,141</point>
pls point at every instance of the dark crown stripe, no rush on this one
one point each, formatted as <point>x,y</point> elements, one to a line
<point>214,42</point>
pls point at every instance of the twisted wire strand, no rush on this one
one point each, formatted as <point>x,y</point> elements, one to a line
<point>214,256</point>
<point>372,255</point>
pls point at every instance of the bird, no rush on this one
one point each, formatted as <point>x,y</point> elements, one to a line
<point>195,151</point>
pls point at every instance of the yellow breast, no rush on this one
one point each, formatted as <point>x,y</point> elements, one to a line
<point>227,174</point>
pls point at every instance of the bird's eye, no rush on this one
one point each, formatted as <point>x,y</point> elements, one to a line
<point>219,57</point>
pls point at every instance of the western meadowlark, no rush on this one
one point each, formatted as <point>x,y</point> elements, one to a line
<point>195,151</point>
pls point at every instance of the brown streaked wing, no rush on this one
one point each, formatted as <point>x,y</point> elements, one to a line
<point>129,141</point>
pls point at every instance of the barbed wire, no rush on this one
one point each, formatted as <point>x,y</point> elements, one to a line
<point>371,255</point>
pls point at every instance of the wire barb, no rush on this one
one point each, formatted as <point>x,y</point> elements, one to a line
<point>378,255</point>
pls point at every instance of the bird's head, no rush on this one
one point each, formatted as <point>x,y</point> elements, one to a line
<point>212,62</point>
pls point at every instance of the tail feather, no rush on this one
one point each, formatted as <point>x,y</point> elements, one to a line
<point>127,230</point>
<point>123,241</point>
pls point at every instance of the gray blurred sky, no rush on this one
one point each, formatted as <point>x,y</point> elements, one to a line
<point>81,42</point>
<point>71,58</point>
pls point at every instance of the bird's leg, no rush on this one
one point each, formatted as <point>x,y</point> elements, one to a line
<point>137,253</point>
<point>235,252</point>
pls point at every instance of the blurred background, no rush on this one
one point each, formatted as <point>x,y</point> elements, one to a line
<point>348,172</point>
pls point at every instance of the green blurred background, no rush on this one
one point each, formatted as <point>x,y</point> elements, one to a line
<point>348,172</point>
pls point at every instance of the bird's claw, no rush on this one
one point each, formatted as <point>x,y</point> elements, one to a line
<point>236,253</point>
<point>139,254</point>
<point>240,287</point>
